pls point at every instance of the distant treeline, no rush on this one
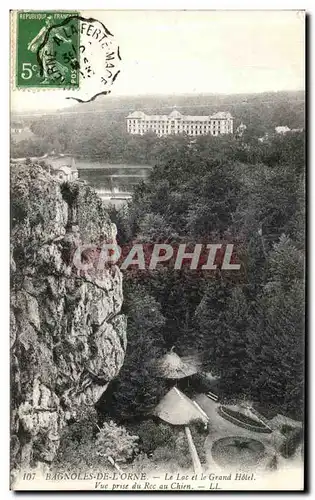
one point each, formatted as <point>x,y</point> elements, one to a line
<point>98,130</point>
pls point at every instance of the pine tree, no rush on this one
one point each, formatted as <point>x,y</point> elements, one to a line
<point>137,389</point>
<point>277,348</point>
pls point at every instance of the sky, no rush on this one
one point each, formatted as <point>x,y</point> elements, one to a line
<point>176,52</point>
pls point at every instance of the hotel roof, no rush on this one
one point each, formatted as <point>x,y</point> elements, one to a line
<point>220,115</point>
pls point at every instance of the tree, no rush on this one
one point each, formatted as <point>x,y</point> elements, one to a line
<point>223,319</point>
<point>276,352</point>
<point>248,325</point>
<point>114,442</point>
<point>85,445</point>
<point>137,389</point>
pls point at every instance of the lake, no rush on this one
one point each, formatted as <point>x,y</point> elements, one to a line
<point>114,183</point>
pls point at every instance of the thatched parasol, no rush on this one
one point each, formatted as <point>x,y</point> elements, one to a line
<point>177,409</point>
<point>173,367</point>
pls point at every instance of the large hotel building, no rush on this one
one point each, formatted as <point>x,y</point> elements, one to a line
<point>176,123</point>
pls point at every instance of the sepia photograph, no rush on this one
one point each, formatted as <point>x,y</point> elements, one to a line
<point>157,250</point>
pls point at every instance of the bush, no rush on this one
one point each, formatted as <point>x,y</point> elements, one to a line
<point>77,445</point>
<point>199,434</point>
<point>163,455</point>
<point>286,429</point>
<point>182,453</point>
<point>84,445</point>
<point>115,442</point>
<point>153,435</point>
<point>290,445</point>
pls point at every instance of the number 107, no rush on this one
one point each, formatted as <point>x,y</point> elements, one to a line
<point>28,476</point>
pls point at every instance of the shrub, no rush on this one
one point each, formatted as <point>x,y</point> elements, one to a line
<point>273,463</point>
<point>163,455</point>
<point>82,447</point>
<point>153,435</point>
<point>77,445</point>
<point>199,434</point>
<point>291,443</point>
<point>182,451</point>
<point>115,442</point>
<point>286,429</point>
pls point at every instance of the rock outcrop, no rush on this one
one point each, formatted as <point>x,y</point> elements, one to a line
<point>68,338</point>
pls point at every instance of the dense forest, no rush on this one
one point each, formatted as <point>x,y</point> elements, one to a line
<point>247,326</point>
<point>98,130</point>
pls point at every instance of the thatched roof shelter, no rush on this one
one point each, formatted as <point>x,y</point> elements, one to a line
<point>177,409</point>
<point>171,366</point>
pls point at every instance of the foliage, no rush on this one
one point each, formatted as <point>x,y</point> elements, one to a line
<point>182,452</point>
<point>273,463</point>
<point>199,435</point>
<point>137,388</point>
<point>114,442</point>
<point>247,325</point>
<point>102,134</point>
<point>77,446</point>
<point>153,435</point>
<point>85,445</point>
<point>286,429</point>
<point>29,148</point>
<point>291,443</point>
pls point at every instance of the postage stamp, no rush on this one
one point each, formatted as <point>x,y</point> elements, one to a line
<point>47,49</point>
<point>65,50</point>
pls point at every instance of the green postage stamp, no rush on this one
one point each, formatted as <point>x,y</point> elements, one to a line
<point>64,50</point>
<point>47,49</point>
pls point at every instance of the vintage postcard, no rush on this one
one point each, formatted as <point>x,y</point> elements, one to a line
<point>157,201</point>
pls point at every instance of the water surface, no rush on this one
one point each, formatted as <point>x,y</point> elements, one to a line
<point>114,183</point>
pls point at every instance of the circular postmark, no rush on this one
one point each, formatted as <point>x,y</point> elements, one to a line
<point>79,54</point>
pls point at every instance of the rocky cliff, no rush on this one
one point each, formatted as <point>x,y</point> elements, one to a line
<point>68,339</point>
